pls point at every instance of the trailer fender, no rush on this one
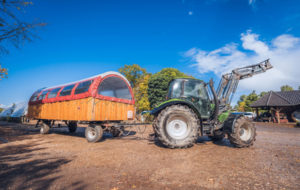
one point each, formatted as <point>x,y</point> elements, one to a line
<point>165,104</point>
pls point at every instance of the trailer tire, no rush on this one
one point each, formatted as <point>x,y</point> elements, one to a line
<point>72,126</point>
<point>243,134</point>
<point>218,135</point>
<point>45,128</point>
<point>177,126</point>
<point>93,133</point>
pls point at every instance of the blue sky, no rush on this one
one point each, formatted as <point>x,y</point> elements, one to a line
<point>85,38</point>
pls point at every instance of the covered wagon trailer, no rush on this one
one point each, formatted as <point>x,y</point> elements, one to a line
<point>99,101</point>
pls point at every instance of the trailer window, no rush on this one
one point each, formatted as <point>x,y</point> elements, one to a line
<point>43,95</point>
<point>67,90</point>
<point>114,87</point>
<point>83,87</point>
<point>53,93</point>
<point>34,96</point>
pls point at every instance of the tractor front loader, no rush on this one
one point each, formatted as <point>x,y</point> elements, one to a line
<point>189,111</point>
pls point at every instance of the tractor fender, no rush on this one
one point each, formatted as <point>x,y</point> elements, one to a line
<point>162,106</point>
<point>228,125</point>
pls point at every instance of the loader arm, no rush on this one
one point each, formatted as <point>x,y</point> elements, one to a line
<point>229,81</point>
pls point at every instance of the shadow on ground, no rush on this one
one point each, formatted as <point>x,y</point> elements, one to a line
<point>21,169</point>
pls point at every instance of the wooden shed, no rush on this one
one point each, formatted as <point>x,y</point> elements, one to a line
<point>280,104</point>
<point>105,97</point>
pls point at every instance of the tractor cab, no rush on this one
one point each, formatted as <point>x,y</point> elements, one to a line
<point>193,91</point>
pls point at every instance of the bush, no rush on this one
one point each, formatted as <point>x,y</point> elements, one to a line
<point>159,82</point>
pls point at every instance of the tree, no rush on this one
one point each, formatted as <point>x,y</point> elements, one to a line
<point>298,87</point>
<point>158,84</point>
<point>286,88</point>
<point>262,94</point>
<point>139,78</point>
<point>134,73</point>
<point>245,102</point>
<point>13,29</point>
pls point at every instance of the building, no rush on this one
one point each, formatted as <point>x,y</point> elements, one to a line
<point>282,105</point>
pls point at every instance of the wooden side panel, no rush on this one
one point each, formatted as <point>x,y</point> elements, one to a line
<point>86,109</point>
<point>107,110</point>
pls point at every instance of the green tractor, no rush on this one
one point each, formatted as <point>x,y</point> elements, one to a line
<point>193,108</point>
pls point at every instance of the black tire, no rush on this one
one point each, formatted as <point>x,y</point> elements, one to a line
<point>244,133</point>
<point>116,132</point>
<point>72,126</point>
<point>93,133</point>
<point>45,128</point>
<point>217,136</point>
<point>177,117</point>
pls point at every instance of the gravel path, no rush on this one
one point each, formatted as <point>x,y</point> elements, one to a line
<point>59,160</point>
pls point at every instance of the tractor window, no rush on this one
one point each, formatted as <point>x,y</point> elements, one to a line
<point>43,95</point>
<point>53,93</point>
<point>193,88</point>
<point>67,90</point>
<point>114,87</point>
<point>175,89</point>
<point>83,87</point>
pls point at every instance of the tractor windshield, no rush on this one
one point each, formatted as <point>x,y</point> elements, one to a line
<point>187,88</point>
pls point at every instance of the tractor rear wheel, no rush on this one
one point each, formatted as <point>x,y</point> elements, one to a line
<point>243,134</point>
<point>72,126</point>
<point>93,133</point>
<point>177,126</point>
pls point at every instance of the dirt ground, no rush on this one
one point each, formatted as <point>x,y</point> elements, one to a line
<point>60,160</point>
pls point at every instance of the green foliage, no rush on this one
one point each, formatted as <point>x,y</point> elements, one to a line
<point>286,88</point>
<point>141,94</point>
<point>298,87</point>
<point>159,82</point>
<point>262,94</point>
<point>134,73</point>
<point>245,102</point>
<point>139,78</point>
<point>1,109</point>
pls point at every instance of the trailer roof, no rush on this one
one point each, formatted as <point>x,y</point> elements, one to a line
<point>100,75</point>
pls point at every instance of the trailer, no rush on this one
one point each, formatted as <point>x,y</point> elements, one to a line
<point>102,101</point>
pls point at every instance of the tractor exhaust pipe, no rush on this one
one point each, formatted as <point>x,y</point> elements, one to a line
<point>216,101</point>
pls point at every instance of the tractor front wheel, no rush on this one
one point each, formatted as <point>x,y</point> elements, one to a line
<point>243,134</point>
<point>177,126</point>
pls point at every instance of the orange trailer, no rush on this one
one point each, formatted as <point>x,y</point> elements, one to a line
<point>100,101</point>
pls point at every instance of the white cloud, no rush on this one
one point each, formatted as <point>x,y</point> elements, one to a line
<point>283,51</point>
<point>251,2</point>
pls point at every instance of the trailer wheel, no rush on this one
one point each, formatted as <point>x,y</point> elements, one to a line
<point>45,128</point>
<point>243,134</point>
<point>72,126</point>
<point>177,126</point>
<point>93,133</point>
<point>217,136</point>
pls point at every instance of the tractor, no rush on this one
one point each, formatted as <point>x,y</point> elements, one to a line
<point>194,108</point>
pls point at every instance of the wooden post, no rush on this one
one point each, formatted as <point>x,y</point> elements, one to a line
<point>256,114</point>
<point>278,115</point>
